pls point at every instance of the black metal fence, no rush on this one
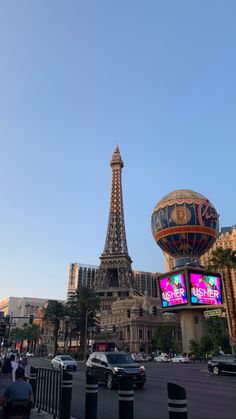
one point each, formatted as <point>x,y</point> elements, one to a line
<point>52,391</point>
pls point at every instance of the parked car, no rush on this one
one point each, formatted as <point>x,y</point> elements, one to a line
<point>180,359</point>
<point>65,362</point>
<point>13,352</point>
<point>146,357</point>
<point>50,355</point>
<point>222,363</point>
<point>161,358</point>
<point>109,366</point>
<point>139,357</point>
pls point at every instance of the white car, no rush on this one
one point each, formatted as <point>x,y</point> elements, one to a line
<point>65,362</point>
<point>180,359</point>
<point>161,358</point>
<point>29,354</point>
<point>146,358</point>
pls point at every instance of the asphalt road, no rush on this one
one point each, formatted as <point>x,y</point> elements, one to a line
<point>208,397</point>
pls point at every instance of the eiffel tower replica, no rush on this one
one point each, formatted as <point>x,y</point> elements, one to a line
<point>114,278</point>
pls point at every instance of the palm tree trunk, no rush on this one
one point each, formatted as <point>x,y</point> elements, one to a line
<point>82,332</point>
<point>56,328</point>
<point>227,307</point>
<point>230,294</point>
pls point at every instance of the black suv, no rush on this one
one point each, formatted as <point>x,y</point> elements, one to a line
<point>109,366</point>
<point>222,363</point>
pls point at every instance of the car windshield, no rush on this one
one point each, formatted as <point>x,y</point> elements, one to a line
<point>66,358</point>
<point>119,359</point>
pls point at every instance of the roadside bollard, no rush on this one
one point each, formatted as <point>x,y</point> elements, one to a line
<point>91,397</point>
<point>126,398</point>
<point>177,402</point>
<point>33,381</point>
<point>66,395</point>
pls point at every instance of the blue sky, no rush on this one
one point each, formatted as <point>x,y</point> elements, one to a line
<point>76,78</point>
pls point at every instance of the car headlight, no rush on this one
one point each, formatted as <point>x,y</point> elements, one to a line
<point>116,369</point>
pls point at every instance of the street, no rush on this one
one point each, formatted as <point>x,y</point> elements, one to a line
<point>208,396</point>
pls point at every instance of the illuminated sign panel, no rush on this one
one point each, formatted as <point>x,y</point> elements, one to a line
<point>173,290</point>
<point>205,289</point>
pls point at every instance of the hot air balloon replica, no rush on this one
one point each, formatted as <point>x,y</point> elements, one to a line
<point>185,225</point>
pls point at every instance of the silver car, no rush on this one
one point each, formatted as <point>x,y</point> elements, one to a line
<point>64,362</point>
<point>180,359</point>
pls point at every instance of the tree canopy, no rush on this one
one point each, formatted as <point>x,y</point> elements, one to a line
<point>84,304</point>
<point>163,338</point>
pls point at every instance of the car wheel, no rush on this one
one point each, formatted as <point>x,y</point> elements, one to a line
<point>139,385</point>
<point>109,381</point>
<point>216,370</point>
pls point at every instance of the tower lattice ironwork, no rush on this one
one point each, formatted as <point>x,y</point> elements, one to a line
<point>115,267</point>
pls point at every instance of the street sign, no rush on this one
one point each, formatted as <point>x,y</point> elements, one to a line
<point>213,313</point>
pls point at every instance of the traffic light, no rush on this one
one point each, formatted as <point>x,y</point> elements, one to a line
<point>140,312</point>
<point>31,319</point>
<point>2,329</point>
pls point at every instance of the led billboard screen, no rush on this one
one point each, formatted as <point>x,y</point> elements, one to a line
<point>205,289</point>
<point>173,290</point>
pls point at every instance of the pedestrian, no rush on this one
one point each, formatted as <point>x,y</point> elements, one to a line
<point>17,359</point>
<point>14,365</point>
<point>24,361</point>
<point>20,390</point>
<point>6,376</point>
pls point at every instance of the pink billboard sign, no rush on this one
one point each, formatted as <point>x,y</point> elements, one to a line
<point>205,289</point>
<point>173,290</point>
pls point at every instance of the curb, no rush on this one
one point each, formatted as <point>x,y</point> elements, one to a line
<point>35,414</point>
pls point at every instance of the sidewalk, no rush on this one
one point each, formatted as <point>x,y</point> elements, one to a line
<point>43,415</point>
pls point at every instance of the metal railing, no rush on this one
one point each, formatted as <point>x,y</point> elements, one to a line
<point>52,391</point>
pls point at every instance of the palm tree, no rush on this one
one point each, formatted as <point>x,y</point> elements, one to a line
<point>18,334</point>
<point>224,260</point>
<point>27,332</point>
<point>83,304</point>
<point>54,311</point>
<point>32,331</point>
